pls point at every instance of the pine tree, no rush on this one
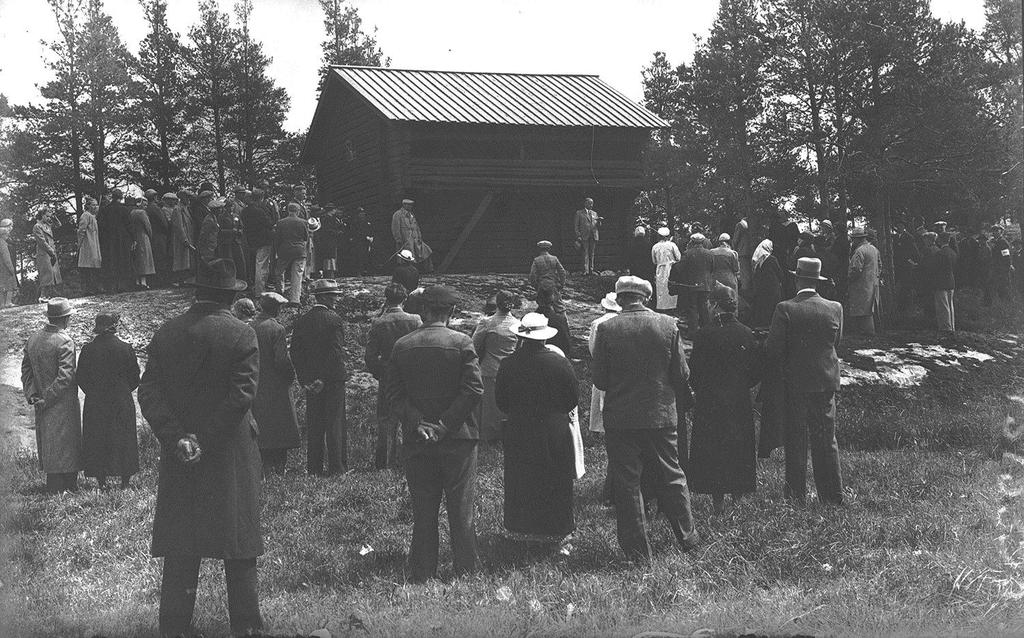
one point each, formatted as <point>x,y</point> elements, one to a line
<point>213,42</point>
<point>346,42</point>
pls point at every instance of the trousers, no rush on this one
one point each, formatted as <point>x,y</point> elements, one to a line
<point>695,310</point>
<point>386,449</point>
<point>327,428</point>
<point>178,595</point>
<point>588,246</point>
<point>260,260</point>
<point>811,416</point>
<point>294,270</point>
<point>631,455</point>
<point>433,470</point>
<point>945,314</point>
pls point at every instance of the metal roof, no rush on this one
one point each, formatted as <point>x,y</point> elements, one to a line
<point>495,98</point>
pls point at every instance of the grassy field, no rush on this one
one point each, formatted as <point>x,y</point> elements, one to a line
<point>930,541</point>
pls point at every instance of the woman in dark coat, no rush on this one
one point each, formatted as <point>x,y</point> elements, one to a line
<point>537,388</point>
<point>638,255</point>
<point>273,407</point>
<point>108,372</point>
<point>724,365</point>
<point>767,285</point>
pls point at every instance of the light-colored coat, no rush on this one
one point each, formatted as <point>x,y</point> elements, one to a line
<point>8,274</point>
<point>181,239</point>
<point>597,394</point>
<point>48,374</point>
<point>142,253</point>
<point>864,292</point>
<point>46,248</point>
<point>88,241</point>
<point>406,232</point>
<point>664,254</point>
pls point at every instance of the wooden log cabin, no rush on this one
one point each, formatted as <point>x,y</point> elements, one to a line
<point>494,161</point>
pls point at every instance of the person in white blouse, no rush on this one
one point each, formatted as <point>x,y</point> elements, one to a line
<point>664,254</point>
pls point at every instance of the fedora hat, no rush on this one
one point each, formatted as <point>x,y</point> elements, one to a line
<point>105,322</point>
<point>217,274</point>
<point>58,307</point>
<point>534,326</point>
<point>809,268</point>
<point>609,302</point>
<point>631,283</point>
<point>325,287</point>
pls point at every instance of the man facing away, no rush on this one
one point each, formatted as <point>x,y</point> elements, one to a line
<point>547,267</point>
<point>863,283</point>
<point>392,324</point>
<point>196,394</point>
<point>585,224</point>
<point>433,383</point>
<point>639,363</point>
<point>804,335</point>
<point>290,238</point>
<point>940,270</point>
<point>48,379</point>
<point>258,224</point>
<point>318,354</point>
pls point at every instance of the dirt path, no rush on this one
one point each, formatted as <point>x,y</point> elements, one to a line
<point>17,429</point>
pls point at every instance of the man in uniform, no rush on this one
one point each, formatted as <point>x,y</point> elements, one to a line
<point>433,384</point>
<point>804,335</point>
<point>639,363</point>
<point>585,224</point>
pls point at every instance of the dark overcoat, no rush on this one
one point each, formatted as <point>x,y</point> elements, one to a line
<point>108,373</point>
<point>273,407</point>
<point>537,388</point>
<point>767,292</point>
<point>115,232</point>
<point>724,365</point>
<point>200,379</point>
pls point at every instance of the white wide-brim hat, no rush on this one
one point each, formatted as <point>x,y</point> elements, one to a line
<point>534,326</point>
<point>609,302</point>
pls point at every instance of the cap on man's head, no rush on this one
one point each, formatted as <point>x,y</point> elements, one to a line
<point>408,201</point>
<point>544,244</point>
<point>299,186</point>
<point>150,192</point>
<point>271,300</point>
<point>722,294</point>
<point>633,284</point>
<point>724,237</point>
<point>6,223</point>
<point>439,296</point>
<point>173,196</point>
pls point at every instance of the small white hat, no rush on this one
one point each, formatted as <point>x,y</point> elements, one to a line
<point>405,254</point>
<point>664,231</point>
<point>725,237</point>
<point>408,201</point>
<point>609,302</point>
<point>313,224</point>
<point>534,326</point>
<point>697,237</point>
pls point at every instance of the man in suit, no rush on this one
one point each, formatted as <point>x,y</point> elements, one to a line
<point>585,225</point>
<point>692,277</point>
<point>160,240</point>
<point>863,283</point>
<point>804,335</point>
<point>290,238</point>
<point>48,380</point>
<point>638,361</point>
<point>433,383</point>
<point>258,225</point>
<point>196,394</point>
<point>318,353</point>
<point>393,324</point>
<point>726,263</point>
<point>940,270</point>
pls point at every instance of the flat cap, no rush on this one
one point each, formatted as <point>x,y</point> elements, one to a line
<point>543,244</point>
<point>439,296</point>
<point>633,284</point>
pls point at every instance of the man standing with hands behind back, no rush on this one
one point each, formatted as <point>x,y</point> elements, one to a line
<point>585,224</point>
<point>803,339</point>
<point>433,384</point>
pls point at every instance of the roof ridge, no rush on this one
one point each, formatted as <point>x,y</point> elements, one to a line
<point>388,68</point>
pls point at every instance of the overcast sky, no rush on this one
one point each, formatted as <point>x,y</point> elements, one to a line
<point>613,40</point>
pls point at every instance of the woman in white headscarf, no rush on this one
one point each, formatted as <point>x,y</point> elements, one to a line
<point>664,254</point>
<point>767,285</point>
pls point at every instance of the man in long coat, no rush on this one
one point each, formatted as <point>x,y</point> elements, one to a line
<point>108,373</point>
<point>639,363</point>
<point>433,384</point>
<point>585,224</point>
<point>805,333</point>
<point>89,256</point>
<point>47,259</point>
<point>115,241</point>
<point>406,232</point>
<point>221,235</point>
<point>160,239</point>
<point>48,379</point>
<point>318,354</point>
<point>863,284</point>
<point>182,246</point>
<point>273,407</point>
<point>196,394</point>
<point>694,274</point>
<point>8,274</point>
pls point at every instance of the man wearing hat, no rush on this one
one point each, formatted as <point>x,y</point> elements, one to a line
<point>547,267</point>
<point>47,259</point>
<point>291,235</point>
<point>48,380</point>
<point>639,363</point>
<point>108,373</point>
<point>804,335</point>
<point>273,407</point>
<point>406,232</point>
<point>586,223</point>
<point>200,210</point>
<point>160,240</point>
<point>182,246</point>
<point>114,224</point>
<point>393,324</point>
<point>863,284</point>
<point>196,394</point>
<point>433,383</point>
<point>691,277</point>
<point>406,272</point>
<point>318,353</point>
<point>8,274</point>
<point>221,235</point>
<point>258,225</point>
<point>725,263</point>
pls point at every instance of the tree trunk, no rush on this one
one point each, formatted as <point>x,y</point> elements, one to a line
<point>218,135</point>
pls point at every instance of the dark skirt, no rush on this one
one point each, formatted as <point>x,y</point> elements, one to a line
<point>722,446</point>
<point>539,472</point>
<point>110,442</point>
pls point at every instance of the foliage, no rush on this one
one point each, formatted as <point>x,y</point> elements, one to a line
<point>213,41</point>
<point>346,42</point>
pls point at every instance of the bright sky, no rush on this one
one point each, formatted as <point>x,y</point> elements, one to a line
<point>539,36</point>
